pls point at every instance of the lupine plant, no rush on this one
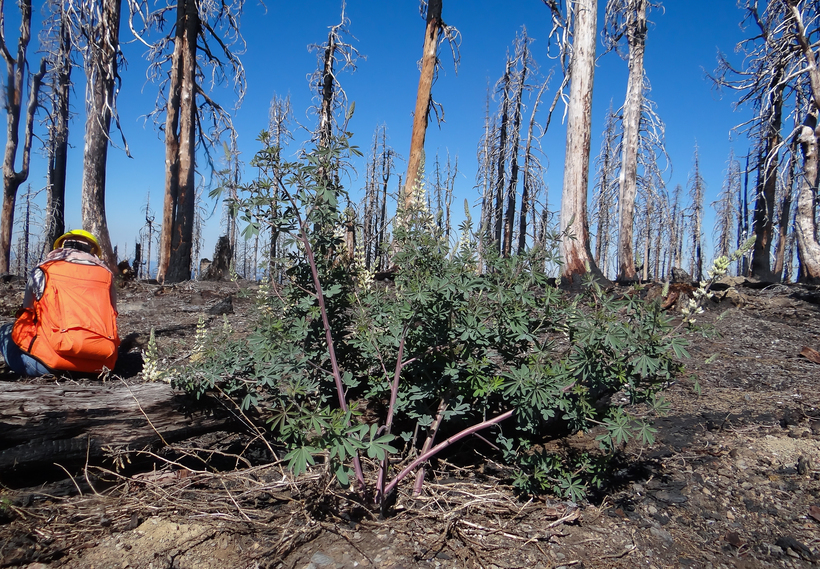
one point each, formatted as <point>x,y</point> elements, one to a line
<point>453,347</point>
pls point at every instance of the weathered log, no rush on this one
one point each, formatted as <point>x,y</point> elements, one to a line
<point>46,424</point>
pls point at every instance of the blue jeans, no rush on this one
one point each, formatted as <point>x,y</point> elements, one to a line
<point>18,361</point>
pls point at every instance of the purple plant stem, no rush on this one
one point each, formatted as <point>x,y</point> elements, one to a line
<point>431,436</point>
<point>337,376</point>
<point>394,390</point>
<point>444,444</point>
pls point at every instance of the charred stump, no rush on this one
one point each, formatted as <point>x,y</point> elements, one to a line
<point>220,268</point>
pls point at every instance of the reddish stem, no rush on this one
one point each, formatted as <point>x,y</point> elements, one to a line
<point>444,444</point>
<point>337,375</point>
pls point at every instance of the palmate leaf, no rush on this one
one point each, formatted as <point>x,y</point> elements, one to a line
<point>647,433</point>
<point>572,487</point>
<point>379,446</point>
<point>679,346</point>
<point>299,459</point>
<point>646,365</point>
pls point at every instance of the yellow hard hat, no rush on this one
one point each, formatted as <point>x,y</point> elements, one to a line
<point>82,235</point>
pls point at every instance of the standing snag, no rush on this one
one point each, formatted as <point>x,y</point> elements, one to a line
<point>205,35</point>
<point>16,81</point>
<point>101,27</point>
<point>434,31</point>
<point>575,250</point>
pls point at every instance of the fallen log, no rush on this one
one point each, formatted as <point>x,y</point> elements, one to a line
<point>47,424</point>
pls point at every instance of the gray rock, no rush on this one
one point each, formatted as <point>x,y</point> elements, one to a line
<point>320,559</point>
<point>681,276</point>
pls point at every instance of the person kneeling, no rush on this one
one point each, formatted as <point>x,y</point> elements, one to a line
<point>68,321</point>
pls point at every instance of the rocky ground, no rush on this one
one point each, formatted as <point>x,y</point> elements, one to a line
<point>733,481</point>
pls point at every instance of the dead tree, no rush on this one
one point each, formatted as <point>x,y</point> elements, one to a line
<point>582,20</point>
<point>333,57</point>
<point>485,176</point>
<point>697,190</point>
<point>725,210</point>
<point>435,31</point>
<point>72,424</point>
<point>280,116</point>
<point>784,206</point>
<point>147,235</point>
<point>28,222</point>
<point>808,244</point>
<point>605,192</point>
<point>676,230</point>
<point>387,165</point>
<point>17,80</point>
<point>99,24</point>
<point>780,63</point>
<point>661,233</point>
<point>500,152</point>
<point>525,63</point>
<point>181,64</point>
<point>627,19</point>
<point>58,44</point>
<point>532,176</point>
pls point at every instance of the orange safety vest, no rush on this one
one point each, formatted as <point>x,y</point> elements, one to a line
<point>73,326</point>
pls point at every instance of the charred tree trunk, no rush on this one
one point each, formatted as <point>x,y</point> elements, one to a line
<point>697,190</point>
<point>44,424</point>
<point>605,199</point>
<point>501,156</point>
<point>15,84</point>
<point>763,221</point>
<point>636,37</point>
<point>512,193</point>
<point>528,191</point>
<point>58,132</point>
<point>176,239</point>
<point>423,98</point>
<point>328,92</point>
<point>101,71</point>
<point>575,251</point>
<point>387,162</point>
<point>784,220</point>
<point>808,248</point>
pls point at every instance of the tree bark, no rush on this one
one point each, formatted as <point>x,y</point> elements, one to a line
<point>512,194</point>
<point>423,98</point>
<point>808,249</point>
<point>176,239</point>
<point>783,223</point>
<point>15,84</point>
<point>763,219</point>
<point>636,37</point>
<point>575,251</point>
<point>101,73</point>
<point>44,424</point>
<point>58,133</point>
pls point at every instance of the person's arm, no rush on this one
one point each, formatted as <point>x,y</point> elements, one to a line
<point>113,293</point>
<point>35,286</point>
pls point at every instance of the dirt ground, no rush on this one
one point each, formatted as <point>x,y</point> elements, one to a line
<point>733,481</point>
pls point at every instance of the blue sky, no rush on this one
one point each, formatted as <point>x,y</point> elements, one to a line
<point>682,45</point>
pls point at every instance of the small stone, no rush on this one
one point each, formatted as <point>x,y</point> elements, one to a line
<point>320,559</point>
<point>670,497</point>
<point>662,534</point>
<point>804,465</point>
